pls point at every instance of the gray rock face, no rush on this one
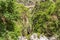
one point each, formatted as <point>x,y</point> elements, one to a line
<point>53,38</point>
<point>22,38</point>
<point>42,37</point>
<point>34,37</point>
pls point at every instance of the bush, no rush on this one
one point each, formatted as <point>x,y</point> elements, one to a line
<point>45,19</point>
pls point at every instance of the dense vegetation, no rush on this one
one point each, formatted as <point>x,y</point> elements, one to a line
<point>10,20</point>
<point>46,18</point>
<point>43,19</point>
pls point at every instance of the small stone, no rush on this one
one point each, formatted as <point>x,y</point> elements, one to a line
<point>53,38</point>
<point>22,38</point>
<point>42,37</point>
<point>34,37</point>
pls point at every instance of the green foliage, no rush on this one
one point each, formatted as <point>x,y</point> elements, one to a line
<point>10,15</point>
<point>45,19</point>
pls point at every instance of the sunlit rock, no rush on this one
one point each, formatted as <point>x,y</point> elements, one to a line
<point>22,38</point>
<point>42,37</point>
<point>53,38</point>
<point>34,37</point>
